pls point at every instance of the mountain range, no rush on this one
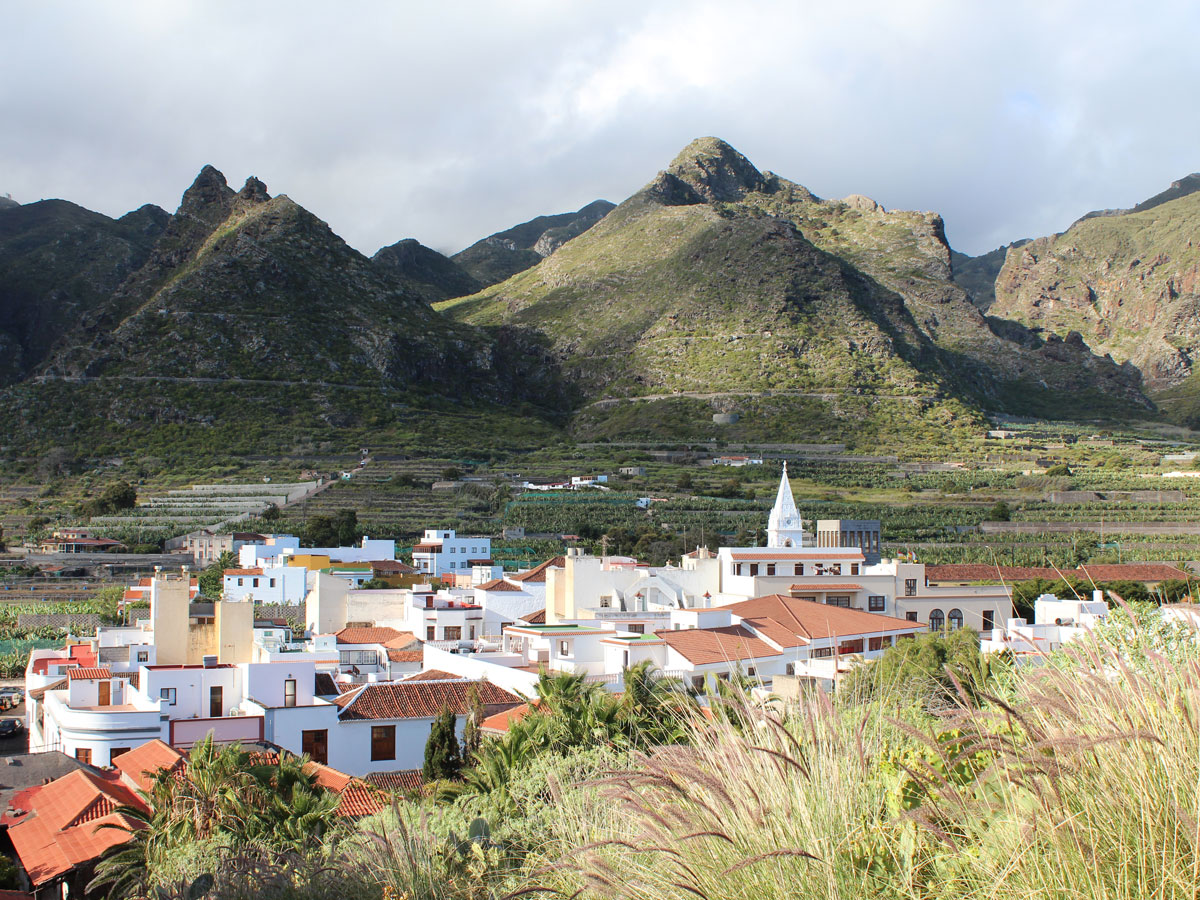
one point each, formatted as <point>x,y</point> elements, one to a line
<point>716,288</point>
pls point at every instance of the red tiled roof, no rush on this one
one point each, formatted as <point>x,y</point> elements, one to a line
<point>64,826</point>
<point>406,656</point>
<point>38,693</point>
<point>503,720</point>
<point>818,588</point>
<point>704,646</point>
<point>417,699</point>
<point>497,584</point>
<point>983,572</point>
<point>243,571</point>
<point>324,685</point>
<point>815,621</point>
<point>405,781</point>
<point>792,555</point>
<point>535,618</point>
<point>538,573</point>
<point>360,799</point>
<point>77,654</point>
<point>89,674</point>
<point>428,547</point>
<point>403,640</point>
<point>140,764</point>
<point>1134,572</point>
<point>362,635</point>
<point>392,566</point>
<point>435,675</point>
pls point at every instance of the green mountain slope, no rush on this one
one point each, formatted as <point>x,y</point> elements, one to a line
<point>1127,282</point>
<point>425,272</point>
<point>718,279</point>
<point>251,312</point>
<point>514,250</point>
<point>977,274</point>
<point>57,262</point>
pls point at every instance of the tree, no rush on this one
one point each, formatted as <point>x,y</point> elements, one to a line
<point>374,584</point>
<point>684,480</point>
<point>339,530</point>
<point>475,715</point>
<point>212,579</point>
<point>1000,512</point>
<point>443,762</point>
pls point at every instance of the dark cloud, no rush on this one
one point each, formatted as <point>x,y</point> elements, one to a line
<point>393,120</point>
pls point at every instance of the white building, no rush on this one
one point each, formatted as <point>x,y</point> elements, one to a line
<point>441,552</point>
<point>1055,623</point>
<point>256,555</point>
<point>270,584</point>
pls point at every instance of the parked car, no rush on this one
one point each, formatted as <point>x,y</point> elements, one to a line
<point>10,697</point>
<point>10,727</point>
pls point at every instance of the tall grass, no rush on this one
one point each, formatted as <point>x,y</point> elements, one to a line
<point>1080,782</point>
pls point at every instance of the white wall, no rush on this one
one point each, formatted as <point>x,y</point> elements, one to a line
<point>192,684</point>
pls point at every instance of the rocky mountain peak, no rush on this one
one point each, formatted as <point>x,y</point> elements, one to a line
<point>254,191</point>
<point>7,202</point>
<point>716,171</point>
<point>209,190</point>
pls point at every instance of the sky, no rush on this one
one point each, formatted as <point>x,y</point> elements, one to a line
<point>447,122</point>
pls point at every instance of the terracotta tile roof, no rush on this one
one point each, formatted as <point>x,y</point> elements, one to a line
<point>704,646</point>
<point>503,720</point>
<point>816,621</point>
<point>1134,572</point>
<point>63,828</point>
<point>535,618</point>
<point>435,675</point>
<point>88,674</point>
<point>404,640</point>
<point>817,588</point>
<point>793,555</point>
<point>243,571</point>
<point>392,567</point>
<point>774,632</point>
<point>406,656</point>
<point>140,764</point>
<point>324,685</point>
<point>983,572</point>
<point>417,699</point>
<point>538,573</point>
<point>360,799</point>
<point>364,635</point>
<point>428,547</point>
<point>405,781</point>
<point>497,584</point>
<point>38,693</point>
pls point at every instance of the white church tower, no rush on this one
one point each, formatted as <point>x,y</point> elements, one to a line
<point>784,527</point>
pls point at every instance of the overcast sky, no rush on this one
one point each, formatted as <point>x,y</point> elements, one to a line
<point>449,121</point>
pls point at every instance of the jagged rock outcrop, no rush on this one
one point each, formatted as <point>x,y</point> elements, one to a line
<point>425,271</point>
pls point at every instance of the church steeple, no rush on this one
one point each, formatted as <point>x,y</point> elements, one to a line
<point>784,526</point>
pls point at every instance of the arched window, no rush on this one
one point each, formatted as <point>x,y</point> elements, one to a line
<point>936,620</point>
<point>954,618</point>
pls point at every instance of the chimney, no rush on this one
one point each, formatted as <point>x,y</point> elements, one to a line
<point>210,661</point>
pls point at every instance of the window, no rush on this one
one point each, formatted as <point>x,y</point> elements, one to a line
<point>989,619</point>
<point>241,581</point>
<point>853,568</point>
<point>791,669</point>
<point>838,600</point>
<point>835,569</point>
<point>453,633</point>
<point>910,616</point>
<point>167,694</point>
<point>751,672</point>
<point>937,620</point>
<point>383,742</point>
<point>430,632</point>
<point>272,582</point>
<point>876,603</point>
<point>954,619</point>
<point>255,583</point>
<point>753,568</point>
<point>698,682</point>
<point>115,752</point>
<point>564,648</point>
<point>851,646</point>
<point>875,643</point>
<point>910,587</point>
<point>215,701</point>
<point>84,755</point>
<point>800,569</point>
<point>638,628</point>
<point>821,652</point>
<point>359,657</point>
<point>810,599</point>
<point>143,656</point>
<point>289,692</point>
<point>315,745</point>
<point>770,568</point>
<point>605,602</point>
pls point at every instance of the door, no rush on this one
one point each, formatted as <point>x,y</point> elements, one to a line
<point>215,695</point>
<point>105,693</point>
<point>316,745</point>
